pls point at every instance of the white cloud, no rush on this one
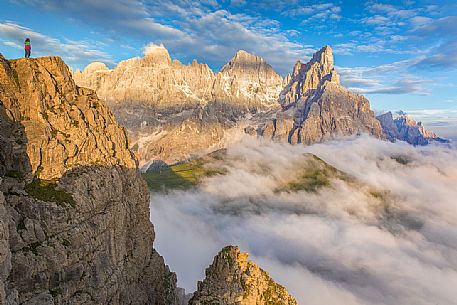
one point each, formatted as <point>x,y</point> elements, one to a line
<point>393,78</point>
<point>321,11</point>
<point>443,56</point>
<point>151,48</point>
<point>341,245</point>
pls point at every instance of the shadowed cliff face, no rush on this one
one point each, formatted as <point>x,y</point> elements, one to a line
<point>74,226</point>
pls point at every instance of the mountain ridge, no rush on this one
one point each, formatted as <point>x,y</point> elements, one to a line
<point>194,110</point>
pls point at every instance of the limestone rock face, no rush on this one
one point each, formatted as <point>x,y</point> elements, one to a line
<point>307,77</point>
<point>249,81</point>
<point>164,103</point>
<point>404,128</point>
<point>74,217</point>
<point>155,80</point>
<point>315,107</point>
<point>389,127</point>
<point>65,125</point>
<point>232,280</point>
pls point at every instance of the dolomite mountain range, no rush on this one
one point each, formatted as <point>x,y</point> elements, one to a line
<point>74,209</point>
<point>74,216</point>
<point>174,111</point>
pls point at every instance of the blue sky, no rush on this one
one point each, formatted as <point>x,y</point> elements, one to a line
<point>400,54</point>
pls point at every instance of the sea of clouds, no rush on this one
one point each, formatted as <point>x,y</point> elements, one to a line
<point>342,245</point>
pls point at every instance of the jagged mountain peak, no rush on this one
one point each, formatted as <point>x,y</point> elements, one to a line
<point>404,128</point>
<point>324,56</point>
<point>245,61</point>
<point>307,78</point>
<point>232,279</point>
<point>242,54</point>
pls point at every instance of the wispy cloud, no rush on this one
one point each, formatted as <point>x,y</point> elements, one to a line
<point>444,56</point>
<point>320,11</point>
<point>393,78</point>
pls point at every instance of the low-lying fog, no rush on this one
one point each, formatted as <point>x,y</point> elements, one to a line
<point>389,238</point>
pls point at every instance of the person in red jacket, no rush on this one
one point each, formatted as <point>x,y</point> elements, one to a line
<point>28,48</point>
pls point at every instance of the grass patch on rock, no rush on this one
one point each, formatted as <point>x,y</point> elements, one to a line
<point>15,174</point>
<point>46,190</point>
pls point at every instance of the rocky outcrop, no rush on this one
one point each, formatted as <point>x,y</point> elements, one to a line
<point>74,217</point>
<point>315,107</point>
<point>404,128</point>
<point>165,104</point>
<point>65,125</point>
<point>231,279</point>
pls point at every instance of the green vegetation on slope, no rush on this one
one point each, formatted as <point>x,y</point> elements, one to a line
<point>184,175</point>
<point>315,175</point>
<point>46,190</point>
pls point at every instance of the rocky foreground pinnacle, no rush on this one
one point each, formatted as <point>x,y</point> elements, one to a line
<point>232,280</point>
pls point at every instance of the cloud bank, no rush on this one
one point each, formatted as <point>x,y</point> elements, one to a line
<point>387,235</point>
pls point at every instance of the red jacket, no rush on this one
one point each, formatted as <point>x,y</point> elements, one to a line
<point>27,46</point>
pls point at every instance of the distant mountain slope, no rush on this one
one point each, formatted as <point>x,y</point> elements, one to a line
<point>315,107</point>
<point>404,128</point>
<point>173,111</point>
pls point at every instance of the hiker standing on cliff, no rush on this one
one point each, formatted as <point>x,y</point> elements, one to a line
<point>28,48</point>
